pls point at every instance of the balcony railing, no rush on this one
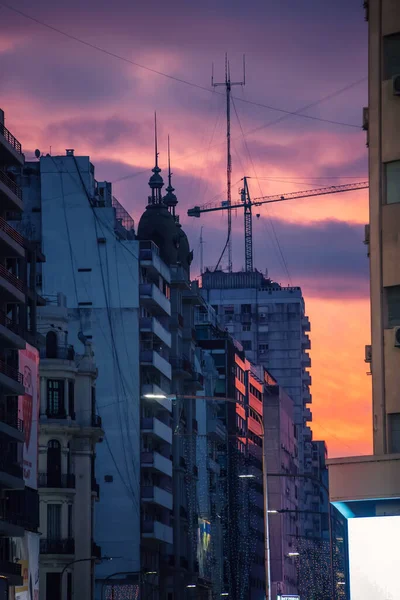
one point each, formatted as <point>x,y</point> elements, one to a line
<point>11,372</point>
<point>13,233</point>
<point>10,568</point>
<point>48,480</point>
<point>53,414</point>
<point>181,364</point>
<point>63,352</point>
<point>15,281</point>
<point>57,546</point>
<point>10,138</point>
<point>11,418</point>
<point>10,324</point>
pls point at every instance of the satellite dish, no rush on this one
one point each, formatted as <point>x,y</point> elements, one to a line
<point>37,153</point>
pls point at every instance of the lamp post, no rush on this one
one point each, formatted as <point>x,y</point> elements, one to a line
<point>79,560</point>
<point>264,469</point>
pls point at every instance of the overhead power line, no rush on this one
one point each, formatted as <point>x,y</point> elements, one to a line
<point>180,79</point>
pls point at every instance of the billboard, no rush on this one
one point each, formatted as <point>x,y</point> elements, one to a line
<point>28,412</point>
<point>204,548</point>
<point>374,558</point>
<point>27,549</point>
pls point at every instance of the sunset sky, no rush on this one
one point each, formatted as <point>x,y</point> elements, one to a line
<point>58,93</point>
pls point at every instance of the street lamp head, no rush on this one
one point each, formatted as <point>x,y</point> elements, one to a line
<point>292,554</point>
<point>156,396</point>
<point>191,585</point>
<point>273,512</point>
<point>247,476</point>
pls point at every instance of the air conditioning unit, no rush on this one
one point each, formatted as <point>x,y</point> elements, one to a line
<point>368,354</point>
<point>396,85</point>
<point>397,337</point>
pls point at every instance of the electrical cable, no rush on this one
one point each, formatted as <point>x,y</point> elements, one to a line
<point>174,78</point>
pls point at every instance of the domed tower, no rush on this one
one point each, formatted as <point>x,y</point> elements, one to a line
<point>184,255</point>
<point>157,223</point>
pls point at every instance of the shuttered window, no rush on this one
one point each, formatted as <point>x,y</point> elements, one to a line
<point>394,432</point>
<point>392,172</point>
<point>393,305</point>
<point>391,55</point>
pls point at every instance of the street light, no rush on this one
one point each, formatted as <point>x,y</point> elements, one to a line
<point>79,560</point>
<point>244,476</point>
<point>292,554</point>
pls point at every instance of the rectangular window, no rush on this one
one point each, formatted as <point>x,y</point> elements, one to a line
<point>70,524</point>
<point>245,309</point>
<point>55,398</point>
<point>393,305</point>
<point>394,432</point>
<point>391,55</point>
<point>53,583</point>
<point>54,521</point>
<point>246,327</point>
<point>71,399</point>
<point>229,310</point>
<point>246,344</point>
<point>392,182</point>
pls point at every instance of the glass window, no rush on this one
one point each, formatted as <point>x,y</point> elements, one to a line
<point>392,176</point>
<point>246,344</point>
<point>54,521</point>
<point>391,55</point>
<point>393,305</point>
<point>55,397</point>
<point>394,432</point>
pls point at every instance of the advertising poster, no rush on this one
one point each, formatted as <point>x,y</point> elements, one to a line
<point>28,412</point>
<point>28,550</point>
<point>204,548</point>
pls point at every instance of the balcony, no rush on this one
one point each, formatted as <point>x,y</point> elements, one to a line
<point>156,462</point>
<point>48,546</point>
<point>307,414</point>
<point>59,352</point>
<point>306,361</point>
<point>307,397</point>
<point>11,333</point>
<point>11,242</point>
<point>305,342</point>
<point>157,495</point>
<point>154,530</point>
<point>149,257</point>
<point>305,323</point>
<point>12,572</point>
<point>152,358</point>
<point>47,480</point>
<point>306,377</point>
<point>153,325</point>
<point>156,428</point>
<point>11,287</point>
<point>10,147</point>
<point>182,367</point>
<point>11,379</point>
<point>151,389</point>
<point>154,300</point>
<point>216,430</point>
<point>10,424</point>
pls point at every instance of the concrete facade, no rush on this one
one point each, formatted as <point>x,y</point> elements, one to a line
<point>96,267</point>
<point>68,433</point>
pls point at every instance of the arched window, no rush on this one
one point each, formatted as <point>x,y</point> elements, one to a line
<point>51,344</point>
<point>54,463</point>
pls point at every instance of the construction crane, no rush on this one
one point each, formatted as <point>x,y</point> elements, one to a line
<point>247,203</point>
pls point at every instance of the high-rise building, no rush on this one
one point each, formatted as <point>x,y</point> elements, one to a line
<point>271,324</point>
<point>369,486</point>
<point>69,431</point>
<point>96,266</point>
<point>19,362</point>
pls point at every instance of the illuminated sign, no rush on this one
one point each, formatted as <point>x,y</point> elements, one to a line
<point>28,412</point>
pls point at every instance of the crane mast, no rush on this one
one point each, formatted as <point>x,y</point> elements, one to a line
<point>246,203</point>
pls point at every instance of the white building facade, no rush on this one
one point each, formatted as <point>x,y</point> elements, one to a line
<point>96,267</point>
<point>68,434</point>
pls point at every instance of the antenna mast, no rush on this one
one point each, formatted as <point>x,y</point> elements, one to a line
<point>228,87</point>
<point>201,251</point>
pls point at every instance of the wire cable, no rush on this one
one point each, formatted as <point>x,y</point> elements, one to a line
<point>173,77</point>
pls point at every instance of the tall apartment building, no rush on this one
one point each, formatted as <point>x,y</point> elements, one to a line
<point>69,431</point>
<point>19,360</point>
<point>159,224</point>
<point>270,323</point>
<point>239,496</point>
<point>375,479</point>
<point>96,267</point>
<point>283,487</point>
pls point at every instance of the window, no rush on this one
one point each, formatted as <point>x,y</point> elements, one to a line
<point>246,344</point>
<point>245,309</point>
<point>55,398</point>
<point>51,344</point>
<point>70,525</point>
<point>229,310</point>
<point>246,327</point>
<point>263,348</point>
<point>71,399</point>
<point>391,55</point>
<point>54,463</point>
<point>393,305</point>
<point>54,521</point>
<point>392,182</point>
<point>394,432</point>
<point>53,583</point>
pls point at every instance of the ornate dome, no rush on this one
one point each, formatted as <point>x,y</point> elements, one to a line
<point>158,225</point>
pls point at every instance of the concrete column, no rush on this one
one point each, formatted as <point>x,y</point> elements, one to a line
<point>43,396</point>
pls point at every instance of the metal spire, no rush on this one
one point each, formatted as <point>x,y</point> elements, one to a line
<point>156,182</point>
<point>155,139</point>
<point>170,199</point>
